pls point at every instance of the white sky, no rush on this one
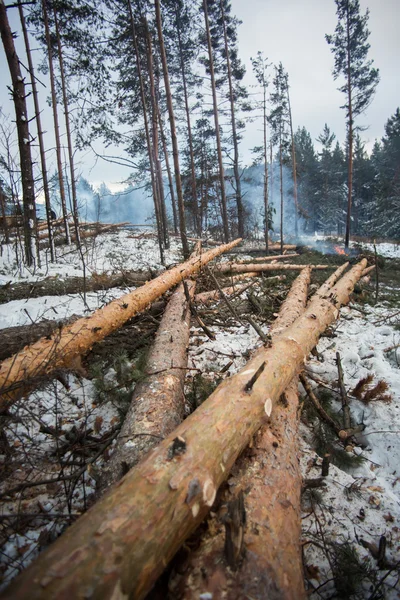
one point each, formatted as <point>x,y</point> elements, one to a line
<point>291,31</point>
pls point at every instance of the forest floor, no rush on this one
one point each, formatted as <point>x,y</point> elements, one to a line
<point>54,442</point>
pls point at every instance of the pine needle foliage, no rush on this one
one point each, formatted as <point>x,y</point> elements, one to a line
<point>116,385</point>
<point>325,442</point>
<point>201,388</point>
<point>349,571</point>
<point>364,392</point>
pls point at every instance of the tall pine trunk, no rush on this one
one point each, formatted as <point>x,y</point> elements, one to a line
<point>266,227</point>
<point>224,213</point>
<point>174,139</point>
<point>350,138</point>
<point>42,151</point>
<point>154,123</point>
<point>56,124</point>
<point>157,210</point>
<point>24,140</point>
<point>281,186</point>
<point>238,185</point>
<point>197,222</point>
<point>3,215</point>
<point>294,167</point>
<point>68,131</point>
<point>169,174</point>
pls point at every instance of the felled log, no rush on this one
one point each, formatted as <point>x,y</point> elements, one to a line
<point>208,297</point>
<point>122,544</point>
<point>264,259</point>
<point>55,223</point>
<point>368,270</point>
<point>158,402</point>
<point>86,234</point>
<point>41,358</point>
<point>56,286</point>
<point>14,339</point>
<point>260,558</point>
<point>233,267</point>
<point>242,276</point>
<point>261,248</point>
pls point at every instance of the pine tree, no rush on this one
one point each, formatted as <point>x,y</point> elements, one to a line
<point>307,178</point>
<point>211,70</point>
<point>260,68</point>
<point>386,161</point>
<point>330,193</point>
<point>24,138</point>
<point>278,120</point>
<point>350,47</point>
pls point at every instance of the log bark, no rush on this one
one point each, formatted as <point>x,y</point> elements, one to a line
<point>231,267</point>
<point>54,286</point>
<point>268,560</point>
<point>209,297</point>
<point>14,339</point>
<point>85,234</point>
<point>158,402</point>
<point>271,248</point>
<point>18,372</point>
<point>122,544</point>
<point>267,258</point>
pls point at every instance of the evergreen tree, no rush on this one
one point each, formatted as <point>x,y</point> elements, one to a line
<point>350,47</point>
<point>386,161</point>
<point>24,138</point>
<point>307,178</point>
<point>260,68</point>
<point>278,120</point>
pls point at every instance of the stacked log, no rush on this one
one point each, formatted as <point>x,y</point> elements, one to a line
<point>20,372</point>
<point>267,481</point>
<point>122,544</point>
<point>233,267</point>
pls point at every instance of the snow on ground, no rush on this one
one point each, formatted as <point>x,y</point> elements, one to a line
<point>108,252</point>
<point>387,250</point>
<point>365,504</point>
<point>54,308</point>
<point>361,504</point>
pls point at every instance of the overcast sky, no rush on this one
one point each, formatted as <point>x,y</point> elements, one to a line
<point>293,31</point>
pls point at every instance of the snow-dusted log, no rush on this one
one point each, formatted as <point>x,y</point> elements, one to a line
<point>271,248</point>
<point>23,370</point>
<point>208,297</point>
<point>86,234</point>
<point>233,267</point>
<point>56,286</point>
<point>266,258</point>
<point>122,544</point>
<point>266,561</point>
<point>158,402</point>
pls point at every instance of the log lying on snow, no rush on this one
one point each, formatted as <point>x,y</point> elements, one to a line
<point>266,259</point>
<point>122,544</point>
<point>208,297</point>
<point>85,234</point>
<point>14,339</point>
<point>158,402</point>
<point>233,267</point>
<point>55,286</point>
<point>22,370</point>
<point>268,478</point>
<point>261,248</point>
